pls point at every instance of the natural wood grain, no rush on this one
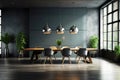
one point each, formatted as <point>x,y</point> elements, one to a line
<point>58,49</point>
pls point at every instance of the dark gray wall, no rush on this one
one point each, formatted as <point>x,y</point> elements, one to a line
<point>13,22</point>
<point>32,20</point>
<point>84,18</point>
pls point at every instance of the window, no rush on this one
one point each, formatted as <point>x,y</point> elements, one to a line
<point>110,30</point>
<point>115,16</point>
<point>109,18</point>
<point>109,8</point>
<point>0,31</point>
<point>115,5</point>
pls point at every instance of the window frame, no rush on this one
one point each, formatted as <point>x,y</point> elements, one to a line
<point>106,26</point>
<point>0,31</point>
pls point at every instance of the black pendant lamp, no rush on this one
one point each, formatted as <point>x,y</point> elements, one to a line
<point>60,29</point>
<point>73,30</point>
<point>46,29</point>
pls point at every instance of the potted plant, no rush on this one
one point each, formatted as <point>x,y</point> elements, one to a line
<point>20,43</point>
<point>117,53</point>
<point>59,43</point>
<point>6,40</point>
<point>93,43</point>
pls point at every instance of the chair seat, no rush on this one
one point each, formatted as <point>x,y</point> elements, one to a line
<point>48,53</point>
<point>66,52</point>
<point>82,52</point>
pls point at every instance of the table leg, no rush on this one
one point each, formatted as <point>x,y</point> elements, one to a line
<point>90,59</point>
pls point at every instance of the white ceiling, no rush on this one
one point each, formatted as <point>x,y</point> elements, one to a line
<point>51,3</point>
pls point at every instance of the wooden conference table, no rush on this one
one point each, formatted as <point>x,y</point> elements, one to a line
<point>59,49</point>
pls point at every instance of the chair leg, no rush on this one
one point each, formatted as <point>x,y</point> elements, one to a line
<point>40,57</point>
<point>54,57</point>
<point>78,59</point>
<point>45,60</point>
<point>69,60</point>
<point>90,59</point>
<point>32,57</point>
<point>63,60</point>
<point>36,55</point>
<point>50,60</point>
<point>85,59</point>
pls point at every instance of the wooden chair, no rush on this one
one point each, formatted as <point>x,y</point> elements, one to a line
<point>54,52</point>
<point>48,53</point>
<point>78,47</point>
<point>81,53</point>
<point>66,52</point>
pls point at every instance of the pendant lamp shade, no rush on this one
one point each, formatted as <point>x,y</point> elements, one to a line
<point>46,29</point>
<point>60,29</point>
<point>73,30</point>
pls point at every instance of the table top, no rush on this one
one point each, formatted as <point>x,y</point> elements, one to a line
<point>58,49</point>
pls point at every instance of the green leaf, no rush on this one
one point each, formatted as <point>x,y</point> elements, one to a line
<point>59,42</point>
<point>20,41</point>
<point>6,39</point>
<point>117,50</point>
<point>93,42</point>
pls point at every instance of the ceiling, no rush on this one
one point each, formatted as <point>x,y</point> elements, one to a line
<point>51,3</point>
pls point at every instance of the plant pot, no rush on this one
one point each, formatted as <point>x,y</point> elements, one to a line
<point>59,47</point>
<point>6,52</point>
<point>117,59</point>
<point>21,53</point>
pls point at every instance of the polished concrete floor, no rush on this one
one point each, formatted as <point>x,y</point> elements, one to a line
<point>23,69</point>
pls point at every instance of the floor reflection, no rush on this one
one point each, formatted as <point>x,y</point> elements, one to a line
<point>61,75</point>
<point>15,69</point>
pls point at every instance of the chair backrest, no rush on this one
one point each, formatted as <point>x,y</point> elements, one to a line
<point>54,47</point>
<point>82,52</point>
<point>48,52</point>
<point>65,47</point>
<point>66,52</point>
